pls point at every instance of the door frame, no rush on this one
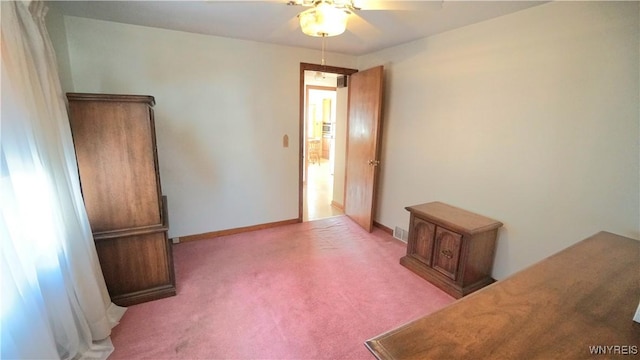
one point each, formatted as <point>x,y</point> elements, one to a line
<point>311,67</point>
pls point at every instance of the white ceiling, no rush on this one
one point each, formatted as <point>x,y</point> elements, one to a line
<point>273,21</point>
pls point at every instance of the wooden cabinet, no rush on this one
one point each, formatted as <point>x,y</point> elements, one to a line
<point>451,247</point>
<point>115,144</point>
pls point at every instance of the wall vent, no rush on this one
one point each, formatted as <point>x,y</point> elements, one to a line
<point>401,234</point>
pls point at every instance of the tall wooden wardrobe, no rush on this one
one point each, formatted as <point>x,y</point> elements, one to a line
<point>115,143</point>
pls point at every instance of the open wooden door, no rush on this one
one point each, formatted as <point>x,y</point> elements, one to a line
<point>363,139</point>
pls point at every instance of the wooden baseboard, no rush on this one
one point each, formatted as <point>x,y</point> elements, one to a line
<point>337,205</point>
<point>214,234</point>
<point>383,228</point>
<point>239,230</point>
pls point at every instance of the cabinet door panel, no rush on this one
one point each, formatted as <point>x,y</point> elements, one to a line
<point>422,234</point>
<point>447,252</point>
<point>115,148</point>
<point>135,263</point>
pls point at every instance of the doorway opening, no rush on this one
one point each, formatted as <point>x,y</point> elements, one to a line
<point>323,122</point>
<point>324,113</point>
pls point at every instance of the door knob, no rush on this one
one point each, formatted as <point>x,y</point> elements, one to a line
<point>374,162</point>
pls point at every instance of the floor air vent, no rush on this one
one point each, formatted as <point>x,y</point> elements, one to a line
<point>400,234</point>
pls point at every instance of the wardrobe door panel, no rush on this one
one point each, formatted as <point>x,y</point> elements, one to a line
<point>136,265</point>
<point>115,148</point>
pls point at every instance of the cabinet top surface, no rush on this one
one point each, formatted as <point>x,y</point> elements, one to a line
<point>456,218</point>
<point>111,97</point>
<point>583,296</point>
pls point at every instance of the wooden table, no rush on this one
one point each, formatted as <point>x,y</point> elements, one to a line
<point>583,296</point>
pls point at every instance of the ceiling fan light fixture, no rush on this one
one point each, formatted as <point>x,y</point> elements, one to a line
<point>324,20</point>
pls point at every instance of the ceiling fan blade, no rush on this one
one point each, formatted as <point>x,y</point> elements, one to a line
<point>416,5</point>
<point>301,2</point>
<point>359,26</point>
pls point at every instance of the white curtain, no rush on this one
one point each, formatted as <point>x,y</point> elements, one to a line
<point>54,302</point>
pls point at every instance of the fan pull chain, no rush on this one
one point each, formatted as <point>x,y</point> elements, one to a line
<point>323,62</point>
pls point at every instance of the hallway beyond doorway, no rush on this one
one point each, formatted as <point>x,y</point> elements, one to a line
<point>318,192</point>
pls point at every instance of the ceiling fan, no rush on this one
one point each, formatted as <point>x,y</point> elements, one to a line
<point>326,18</point>
<point>349,4</point>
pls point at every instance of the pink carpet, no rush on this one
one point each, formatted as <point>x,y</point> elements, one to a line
<point>315,290</point>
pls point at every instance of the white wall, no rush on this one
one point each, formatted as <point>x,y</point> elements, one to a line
<point>531,118</point>
<point>222,109</point>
